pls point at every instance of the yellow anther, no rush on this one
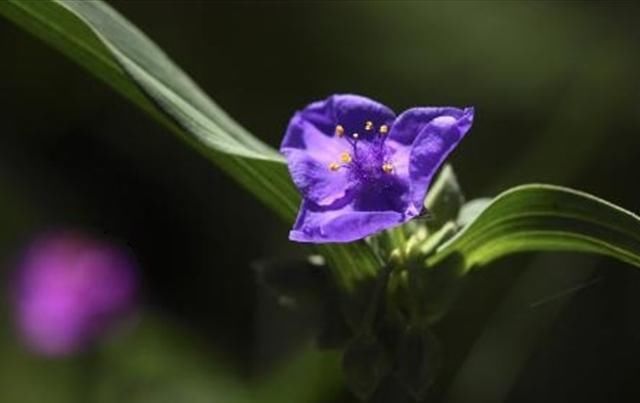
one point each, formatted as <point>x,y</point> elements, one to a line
<point>339,131</point>
<point>368,125</point>
<point>355,135</point>
<point>384,129</point>
<point>345,157</point>
<point>387,168</point>
<point>334,166</point>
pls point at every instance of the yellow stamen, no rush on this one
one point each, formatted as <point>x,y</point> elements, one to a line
<point>334,166</point>
<point>339,131</point>
<point>345,157</point>
<point>384,129</point>
<point>355,135</point>
<point>368,125</point>
<point>387,168</point>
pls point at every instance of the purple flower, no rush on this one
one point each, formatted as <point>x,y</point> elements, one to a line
<point>360,168</point>
<point>68,289</point>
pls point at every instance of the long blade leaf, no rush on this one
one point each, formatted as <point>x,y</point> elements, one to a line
<point>546,218</point>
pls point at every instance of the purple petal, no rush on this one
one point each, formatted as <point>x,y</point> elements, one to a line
<point>309,163</point>
<point>349,111</point>
<point>315,180</point>
<point>353,111</point>
<point>316,224</point>
<point>311,146</point>
<point>432,145</point>
<point>302,135</point>
<point>411,122</point>
<point>313,136</point>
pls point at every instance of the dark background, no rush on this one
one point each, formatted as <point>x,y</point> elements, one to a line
<point>557,96</point>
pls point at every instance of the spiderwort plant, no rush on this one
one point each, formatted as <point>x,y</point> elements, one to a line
<point>362,169</point>
<point>68,289</point>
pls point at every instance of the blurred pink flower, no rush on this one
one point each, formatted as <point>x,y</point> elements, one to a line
<point>68,289</point>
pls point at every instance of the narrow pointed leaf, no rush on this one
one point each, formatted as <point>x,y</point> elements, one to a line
<point>546,218</point>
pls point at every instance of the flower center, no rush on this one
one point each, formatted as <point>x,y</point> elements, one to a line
<point>367,159</point>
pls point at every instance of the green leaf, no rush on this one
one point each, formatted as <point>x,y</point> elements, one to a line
<point>444,200</point>
<point>472,209</point>
<point>430,245</point>
<point>106,44</point>
<point>545,218</point>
